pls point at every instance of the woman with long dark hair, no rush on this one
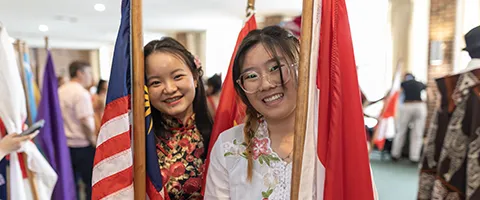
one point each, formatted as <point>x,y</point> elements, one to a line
<point>181,119</point>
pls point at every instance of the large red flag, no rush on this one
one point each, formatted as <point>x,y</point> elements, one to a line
<point>341,130</point>
<point>231,110</point>
<point>335,154</point>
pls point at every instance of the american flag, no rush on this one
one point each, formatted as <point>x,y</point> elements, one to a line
<point>113,165</point>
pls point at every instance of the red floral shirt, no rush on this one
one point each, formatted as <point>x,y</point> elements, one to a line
<point>180,159</point>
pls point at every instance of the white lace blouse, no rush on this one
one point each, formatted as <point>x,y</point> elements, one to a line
<point>227,173</point>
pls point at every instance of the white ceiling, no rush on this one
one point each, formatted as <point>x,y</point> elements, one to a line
<point>75,23</point>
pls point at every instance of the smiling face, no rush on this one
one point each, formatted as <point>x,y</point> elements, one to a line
<point>267,95</point>
<point>171,85</point>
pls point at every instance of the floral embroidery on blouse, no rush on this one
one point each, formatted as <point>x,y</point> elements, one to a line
<point>180,159</point>
<point>277,180</point>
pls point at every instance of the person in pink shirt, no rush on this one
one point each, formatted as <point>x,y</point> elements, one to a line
<point>78,118</point>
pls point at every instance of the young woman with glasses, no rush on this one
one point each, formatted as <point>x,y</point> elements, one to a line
<point>253,160</point>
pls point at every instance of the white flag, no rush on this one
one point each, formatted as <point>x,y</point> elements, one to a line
<point>13,114</point>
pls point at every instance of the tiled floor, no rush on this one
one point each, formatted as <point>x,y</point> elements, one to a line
<point>394,181</point>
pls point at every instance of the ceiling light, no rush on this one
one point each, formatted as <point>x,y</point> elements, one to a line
<point>66,18</point>
<point>99,7</point>
<point>43,28</point>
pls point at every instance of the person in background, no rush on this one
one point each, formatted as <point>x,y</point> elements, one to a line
<point>60,81</point>
<point>99,101</point>
<point>412,112</point>
<point>78,118</point>
<point>214,88</point>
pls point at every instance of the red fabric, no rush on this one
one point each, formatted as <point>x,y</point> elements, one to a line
<point>391,106</point>
<point>115,182</point>
<point>21,160</point>
<point>116,108</point>
<point>341,130</point>
<point>380,144</point>
<point>231,110</point>
<point>390,110</point>
<point>153,194</point>
<point>297,21</point>
<point>3,132</point>
<point>106,150</point>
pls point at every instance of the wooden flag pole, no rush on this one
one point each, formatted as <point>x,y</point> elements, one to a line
<point>46,43</point>
<point>27,52</point>
<point>21,67</point>
<point>138,83</point>
<point>250,5</point>
<point>302,96</point>
<point>250,8</point>
<point>31,178</point>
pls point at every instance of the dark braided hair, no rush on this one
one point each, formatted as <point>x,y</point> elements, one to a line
<point>203,120</point>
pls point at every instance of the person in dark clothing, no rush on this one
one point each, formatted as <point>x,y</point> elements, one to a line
<point>412,112</point>
<point>214,88</point>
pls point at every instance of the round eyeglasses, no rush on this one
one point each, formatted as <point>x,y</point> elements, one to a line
<point>251,80</point>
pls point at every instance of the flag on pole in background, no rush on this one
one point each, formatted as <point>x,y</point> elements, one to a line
<point>335,159</point>
<point>113,164</point>
<point>52,139</point>
<point>32,103</point>
<point>231,110</point>
<point>13,115</point>
<point>293,26</point>
<point>386,125</point>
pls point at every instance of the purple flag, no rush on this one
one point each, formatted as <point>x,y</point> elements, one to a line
<point>52,137</point>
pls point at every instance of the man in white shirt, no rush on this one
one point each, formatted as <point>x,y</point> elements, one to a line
<point>78,119</point>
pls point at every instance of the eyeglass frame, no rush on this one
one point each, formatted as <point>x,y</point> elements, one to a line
<point>238,81</point>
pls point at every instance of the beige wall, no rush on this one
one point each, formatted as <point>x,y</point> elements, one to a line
<point>195,42</point>
<point>271,20</point>
<point>400,16</point>
<point>442,27</point>
<point>62,59</point>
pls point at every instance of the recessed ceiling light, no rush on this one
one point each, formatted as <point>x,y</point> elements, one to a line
<point>43,28</point>
<point>66,18</point>
<point>99,7</point>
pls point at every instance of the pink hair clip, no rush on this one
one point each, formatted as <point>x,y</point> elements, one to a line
<point>197,62</point>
